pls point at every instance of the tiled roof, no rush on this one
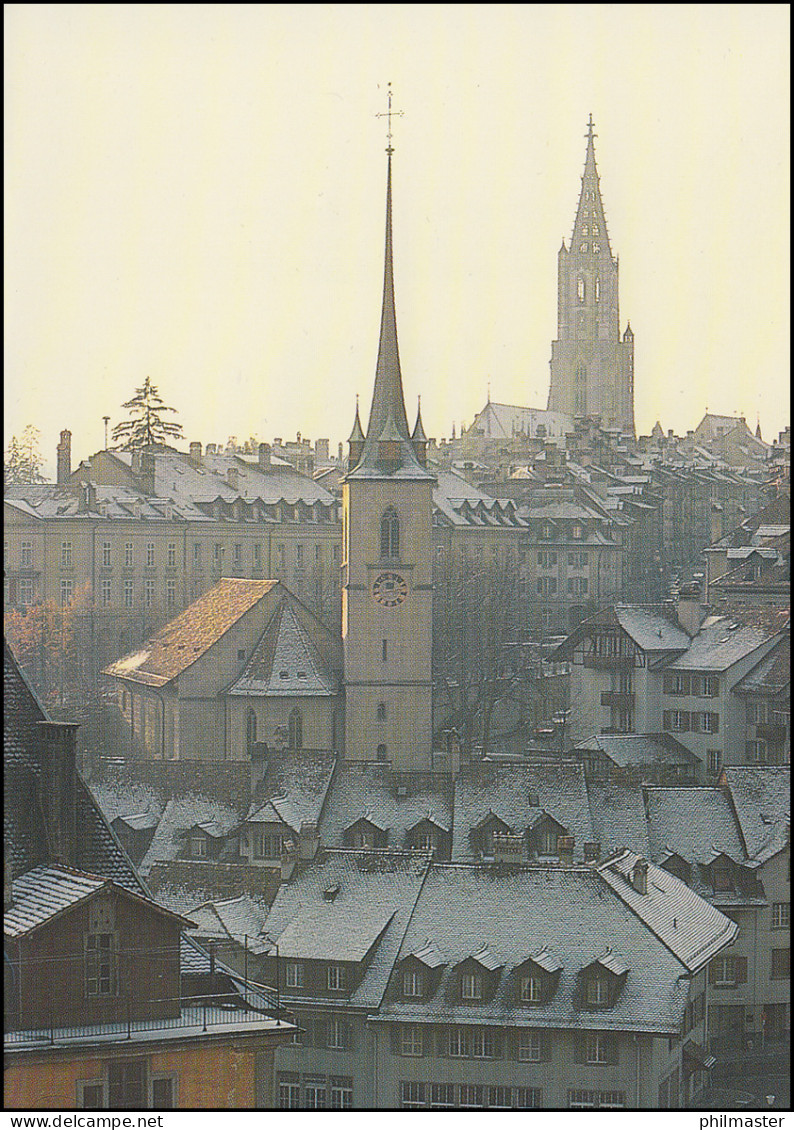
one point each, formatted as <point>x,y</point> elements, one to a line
<point>45,891</point>
<point>761,797</point>
<point>691,822</point>
<point>573,912</point>
<point>688,925</point>
<point>639,749</point>
<point>343,939</point>
<point>296,783</point>
<point>650,629</point>
<point>772,674</point>
<point>285,662</point>
<point>504,421</point>
<point>508,790</point>
<point>373,887</point>
<point>192,633</point>
<point>179,816</point>
<point>360,788</point>
<point>239,919</point>
<point>618,813</point>
<point>26,838</point>
<point>719,644</point>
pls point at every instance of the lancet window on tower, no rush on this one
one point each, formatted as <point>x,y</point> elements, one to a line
<point>251,730</point>
<point>580,288</point>
<point>390,534</point>
<point>295,729</point>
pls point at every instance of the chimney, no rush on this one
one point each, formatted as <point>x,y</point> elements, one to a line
<point>509,847</point>
<point>233,478</point>
<point>690,613</point>
<point>195,451</point>
<point>565,846</point>
<point>147,474</point>
<point>289,861</point>
<point>309,840</point>
<point>639,876</point>
<point>264,457</point>
<point>58,788</point>
<point>321,448</point>
<point>212,448</point>
<point>64,453</point>
<point>339,453</point>
<point>592,852</point>
<point>86,503</point>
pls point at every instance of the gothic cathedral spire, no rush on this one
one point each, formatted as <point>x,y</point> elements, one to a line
<point>592,369</point>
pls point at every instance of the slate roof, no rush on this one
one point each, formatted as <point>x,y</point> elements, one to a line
<point>192,633</point>
<point>504,421</point>
<point>373,887</point>
<point>717,646</point>
<point>361,788</point>
<point>691,822</point>
<point>507,790</point>
<point>772,674</point>
<point>650,629</point>
<point>25,834</point>
<point>576,914</point>
<point>47,891</point>
<point>618,815</point>
<point>761,797</point>
<point>233,920</point>
<point>126,799</point>
<point>179,816</point>
<point>639,749</point>
<point>688,925</point>
<point>285,662</point>
<point>296,784</point>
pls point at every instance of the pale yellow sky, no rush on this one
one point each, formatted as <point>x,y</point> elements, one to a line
<point>196,193</point>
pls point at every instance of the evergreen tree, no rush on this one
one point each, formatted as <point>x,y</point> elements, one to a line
<point>23,460</point>
<point>146,424</point>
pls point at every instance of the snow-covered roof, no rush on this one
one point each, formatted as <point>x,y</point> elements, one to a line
<point>285,662</point>
<point>720,643</point>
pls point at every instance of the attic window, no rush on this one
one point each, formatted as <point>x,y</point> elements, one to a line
<point>301,674</point>
<point>330,893</point>
<point>598,991</point>
<point>283,674</point>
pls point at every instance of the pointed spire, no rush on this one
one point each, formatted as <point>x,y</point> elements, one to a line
<point>418,437</point>
<point>590,229</point>
<point>356,441</point>
<point>388,422</point>
<point>758,428</point>
<point>357,434</point>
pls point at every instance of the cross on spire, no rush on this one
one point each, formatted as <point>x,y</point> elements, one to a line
<point>389,114</point>
<point>590,135</point>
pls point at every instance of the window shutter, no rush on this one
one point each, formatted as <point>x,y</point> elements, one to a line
<point>580,1048</point>
<point>442,1041</point>
<point>715,723</point>
<point>394,1032</point>
<point>350,1037</point>
<point>612,1045</point>
<point>498,1045</point>
<point>545,1048</point>
<point>696,723</point>
<point>712,974</point>
<point>684,721</point>
<point>666,720</point>
<point>741,970</point>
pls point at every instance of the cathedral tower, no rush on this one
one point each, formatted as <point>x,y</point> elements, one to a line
<point>592,368</point>
<point>387,588</point>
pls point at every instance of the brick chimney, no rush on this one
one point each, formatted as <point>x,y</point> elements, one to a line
<point>233,477</point>
<point>64,454</point>
<point>195,451</point>
<point>639,876</point>
<point>58,788</point>
<point>321,448</point>
<point>264,457</point>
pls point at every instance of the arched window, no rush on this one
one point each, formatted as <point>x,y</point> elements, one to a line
<point>390,534</point>
<point>580,289</point>
<point>381,711</point>
<point>250,731</point>
<point>295,729</point>
<point>381,755</point>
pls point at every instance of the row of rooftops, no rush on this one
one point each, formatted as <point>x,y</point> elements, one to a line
<point>569,922</point>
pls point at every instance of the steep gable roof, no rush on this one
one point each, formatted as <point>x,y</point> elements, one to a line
<point>192,633</point>
<point>285,662</point>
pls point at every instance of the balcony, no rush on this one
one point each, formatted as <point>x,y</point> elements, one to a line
<point>622,700</point>
<point>608,662</point>
<point>192,1016</point>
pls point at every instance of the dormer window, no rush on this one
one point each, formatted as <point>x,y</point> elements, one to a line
<point>471,986</point>
<point>722,875</point>
<point>336,979</point>
<point>598,991</point>
<point>531,990</point>
<point>547,844</point>
<point>198,847</point>
<point>578,530</point>
<point>413,983</point>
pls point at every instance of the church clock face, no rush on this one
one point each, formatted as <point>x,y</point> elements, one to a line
<point>389,589</point>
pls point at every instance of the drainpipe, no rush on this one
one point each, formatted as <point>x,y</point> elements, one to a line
<point>637,1092</point>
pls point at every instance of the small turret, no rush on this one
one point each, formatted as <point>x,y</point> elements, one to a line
<point>418,437</point>
<point>356,441</point>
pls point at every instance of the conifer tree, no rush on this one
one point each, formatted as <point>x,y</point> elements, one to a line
<point>146,424</point>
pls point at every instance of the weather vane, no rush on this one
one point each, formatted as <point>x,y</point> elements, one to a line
<point>389,114</point>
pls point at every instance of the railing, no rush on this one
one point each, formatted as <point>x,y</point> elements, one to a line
<point>607,662</point>
<point>201,1014</point>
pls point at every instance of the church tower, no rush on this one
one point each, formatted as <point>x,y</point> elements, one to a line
<point>592,368</point>
<point>387,590</point>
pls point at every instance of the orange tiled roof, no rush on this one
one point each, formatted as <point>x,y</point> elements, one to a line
<point>190,634</point>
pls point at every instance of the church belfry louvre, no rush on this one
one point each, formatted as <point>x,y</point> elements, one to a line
<point>387,591</point>
<point>592,366</point>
